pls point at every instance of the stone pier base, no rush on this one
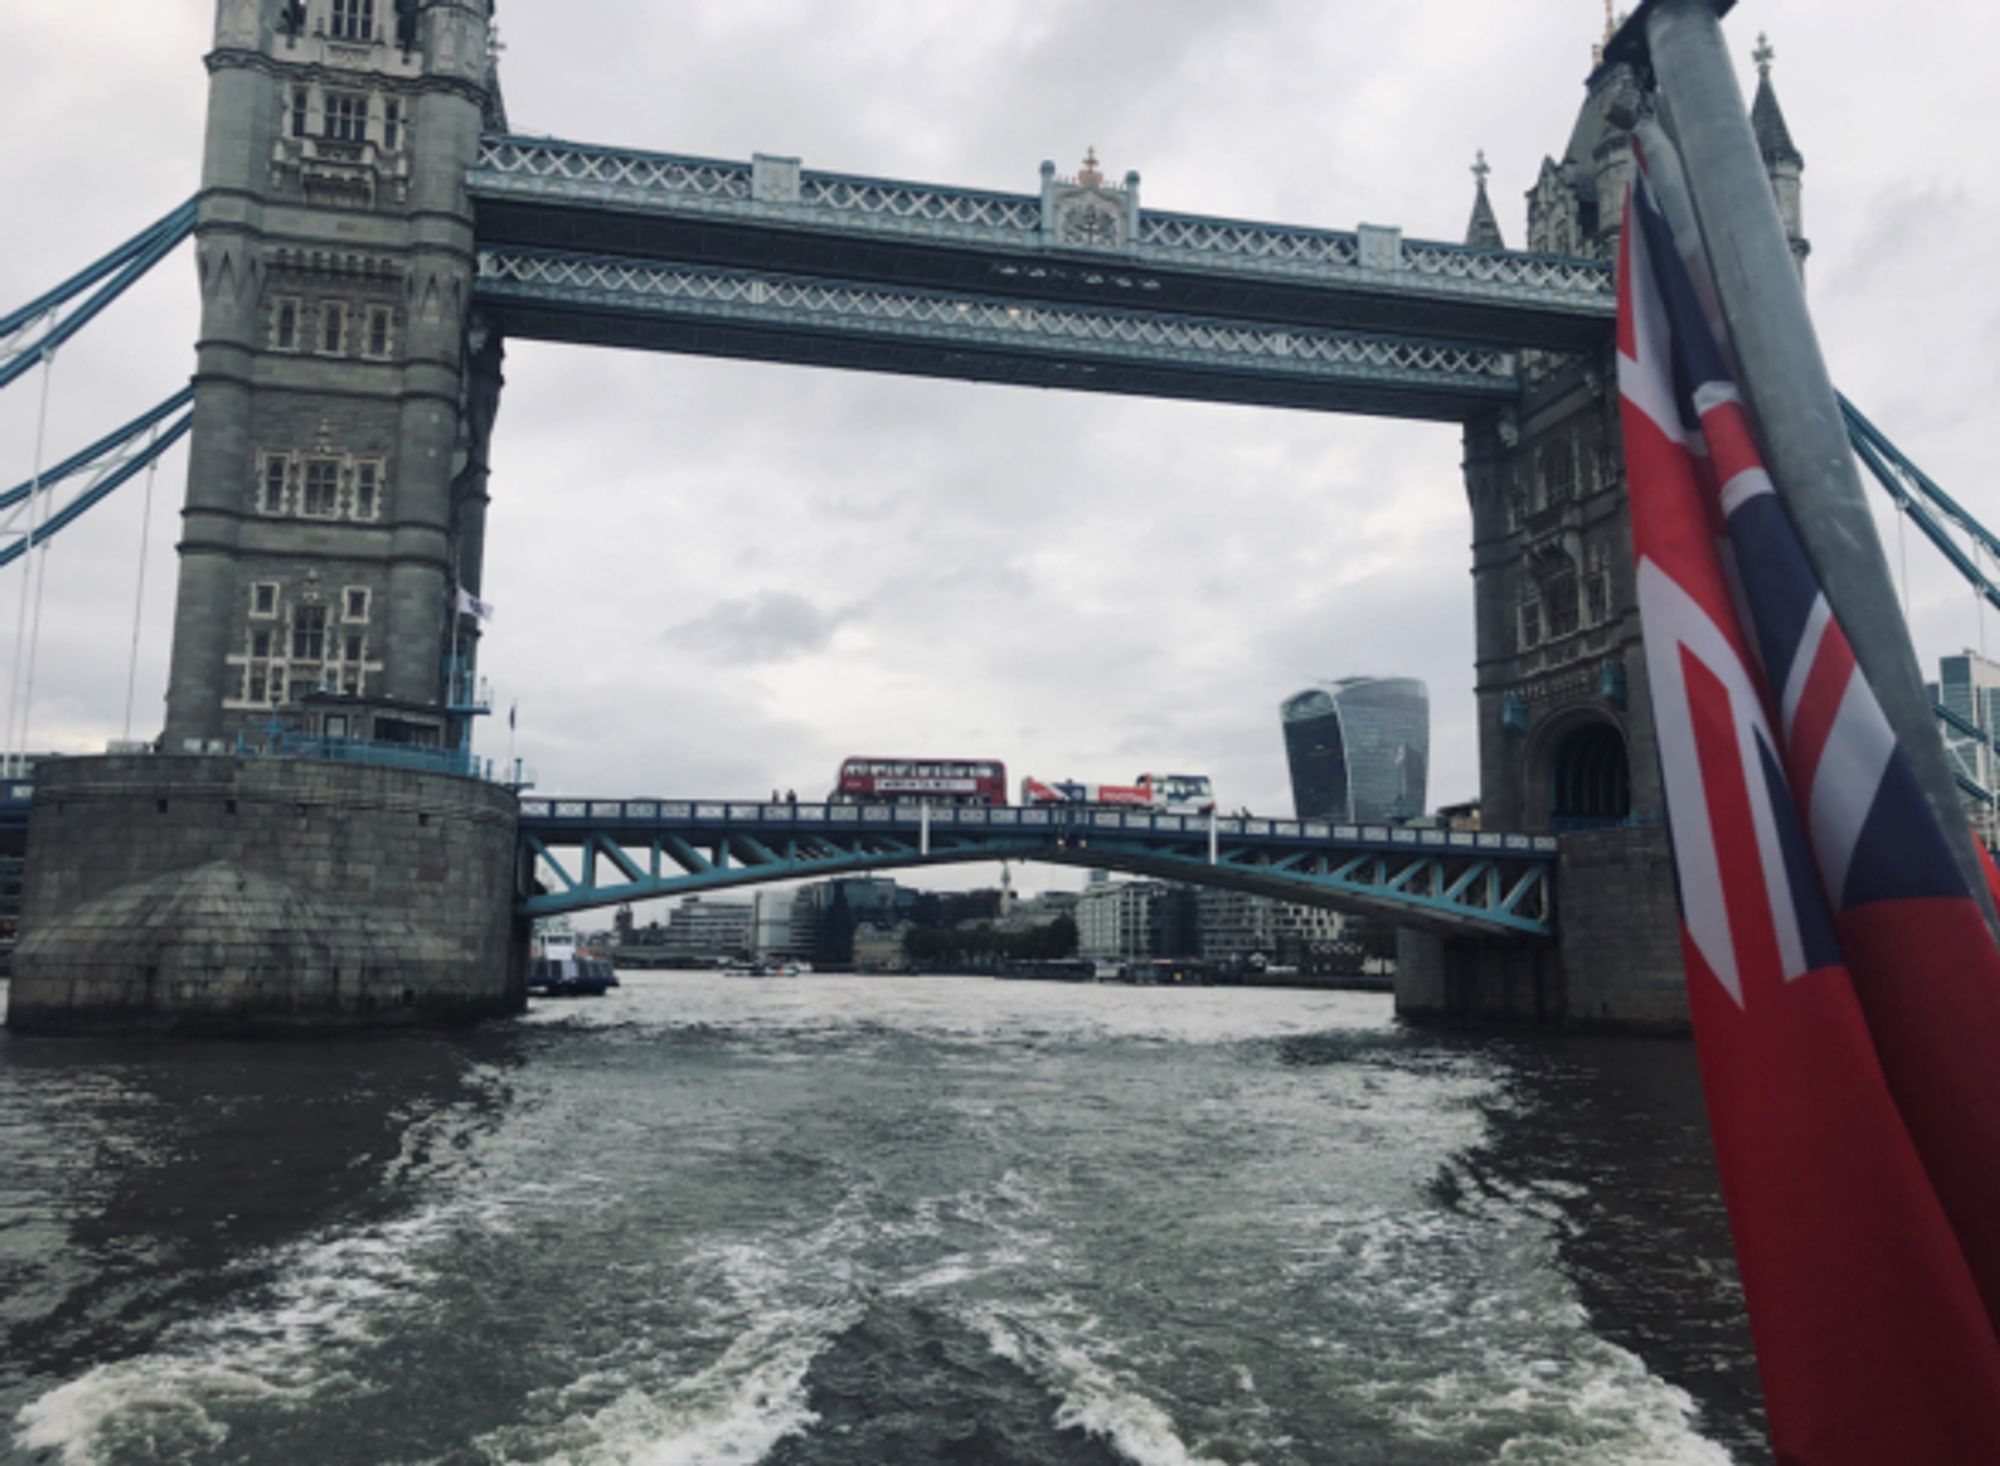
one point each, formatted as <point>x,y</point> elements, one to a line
<point>1615,964</point>
<point>215,893</point>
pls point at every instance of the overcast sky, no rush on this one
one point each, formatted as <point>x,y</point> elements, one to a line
<point>720,578</point>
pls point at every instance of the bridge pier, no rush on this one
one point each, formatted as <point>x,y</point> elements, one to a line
<point>234,894</point>
<point>1615,962</point>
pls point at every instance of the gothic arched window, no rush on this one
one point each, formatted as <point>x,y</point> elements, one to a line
<point>1558,474</point>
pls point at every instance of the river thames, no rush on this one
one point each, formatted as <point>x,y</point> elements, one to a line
<point>871,1220</point>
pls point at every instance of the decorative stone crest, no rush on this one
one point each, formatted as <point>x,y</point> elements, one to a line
<point>1085,211</point>
<point>774,180</point>
<point>239,23</point>
<point>1381,247</point>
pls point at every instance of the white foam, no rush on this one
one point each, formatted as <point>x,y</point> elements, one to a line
<point>730,1414</point>
<point>1093,1395</point>
<point>1481,1345</point>
<point>332,1294</point>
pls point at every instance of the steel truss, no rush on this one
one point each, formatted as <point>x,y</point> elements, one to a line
<point>551,171</point>
<point>636,850</point>
<point>1445,378</point>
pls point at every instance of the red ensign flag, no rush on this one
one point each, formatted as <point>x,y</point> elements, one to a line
<point>1844,986</point>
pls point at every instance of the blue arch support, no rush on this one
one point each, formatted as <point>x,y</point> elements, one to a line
<point>597,852</point>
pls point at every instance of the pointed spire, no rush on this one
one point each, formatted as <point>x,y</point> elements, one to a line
<point>1483,232</point>
<point>1767,118</point>
<point>1611,24</point>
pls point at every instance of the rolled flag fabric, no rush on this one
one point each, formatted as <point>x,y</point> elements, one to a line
<point>1844,988</point>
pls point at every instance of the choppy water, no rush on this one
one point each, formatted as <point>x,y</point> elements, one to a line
<point>860,1220</point>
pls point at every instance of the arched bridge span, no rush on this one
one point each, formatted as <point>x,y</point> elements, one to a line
<point>607,852</point>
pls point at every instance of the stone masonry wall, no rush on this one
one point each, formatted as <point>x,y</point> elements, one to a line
<point>1615,964</point>
<point>216,892</point>
<point>1620,923</point>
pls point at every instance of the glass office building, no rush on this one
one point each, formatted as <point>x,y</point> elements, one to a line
<point>1359,749</point>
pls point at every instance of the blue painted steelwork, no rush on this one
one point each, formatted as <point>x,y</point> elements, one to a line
<point>129,261</point>
<point>115,471</point>
<point>1860,432</point>
<point>459,761</point>
<point>984,337</point>
<point>1966,784</point>
<point>115,439</point>
<point>634,850</point>
<point>770,261</point>
<point>1873,458</point>
<point>1893,469</point>
<point>772,214</point>
<point>1964,725</point>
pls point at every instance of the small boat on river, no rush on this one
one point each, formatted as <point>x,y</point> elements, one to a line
<point>559,968</point>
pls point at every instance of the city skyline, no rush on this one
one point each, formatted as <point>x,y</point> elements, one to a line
<point>722,578</point>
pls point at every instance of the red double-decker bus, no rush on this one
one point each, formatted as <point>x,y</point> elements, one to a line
<point>921,781</point>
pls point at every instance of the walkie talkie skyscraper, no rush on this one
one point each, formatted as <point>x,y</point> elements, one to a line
<point>1359,749</point>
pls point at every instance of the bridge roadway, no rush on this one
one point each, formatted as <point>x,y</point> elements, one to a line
<point>771,261</point>
<point>598,852</point>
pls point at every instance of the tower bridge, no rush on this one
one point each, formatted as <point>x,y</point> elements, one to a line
<point>1083,240</point>
<point>601,852</point>
<point>1076,286</point>
<point>372,228</point>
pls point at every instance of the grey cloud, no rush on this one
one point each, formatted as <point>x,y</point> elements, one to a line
<point>770,626</point>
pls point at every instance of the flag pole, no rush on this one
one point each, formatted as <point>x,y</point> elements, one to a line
<point>1785,380</point>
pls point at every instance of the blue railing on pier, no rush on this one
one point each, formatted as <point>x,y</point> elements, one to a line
<point>15,795</point>
<point>459,761</point>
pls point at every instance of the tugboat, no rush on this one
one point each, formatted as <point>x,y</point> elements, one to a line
<point>559,968</point>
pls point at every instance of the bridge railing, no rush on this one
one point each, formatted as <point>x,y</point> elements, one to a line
<point>606,814</point>
<point>461,762</point>
<point>553,170</point>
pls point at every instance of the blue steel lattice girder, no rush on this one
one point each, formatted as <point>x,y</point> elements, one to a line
<point>1490,884</point>
<point>704,310</point>
<point>691,861</point>
<point>542,193</point>
<point>547,857</point>
<point>618,858</point>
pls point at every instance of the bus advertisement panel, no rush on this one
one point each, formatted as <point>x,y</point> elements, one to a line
<point>925,781</point>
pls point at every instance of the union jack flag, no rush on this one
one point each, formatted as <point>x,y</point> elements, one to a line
<point>1844,986</point>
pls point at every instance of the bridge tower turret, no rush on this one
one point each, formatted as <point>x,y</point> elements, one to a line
<point>1565,732</point>
<point>1782,159</point>
<point>1565,714</point>
<point>344,394</point>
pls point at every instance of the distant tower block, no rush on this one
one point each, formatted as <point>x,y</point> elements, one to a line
<point>1359,749</point>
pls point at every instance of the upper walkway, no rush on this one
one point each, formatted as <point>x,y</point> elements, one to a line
<point>1077,286</point>
<point>641,849</point>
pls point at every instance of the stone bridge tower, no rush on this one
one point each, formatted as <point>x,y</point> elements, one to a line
<point>1565,723</point>
<point>344,395</point>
